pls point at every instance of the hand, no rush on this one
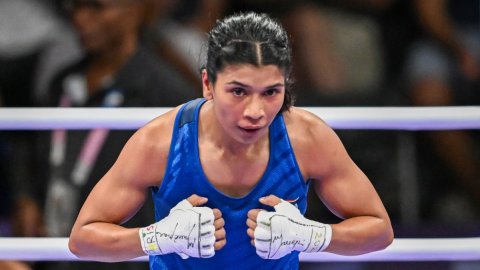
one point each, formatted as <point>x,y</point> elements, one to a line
<point>189,230</point>
<point>276,234</point>
<point>218,223</point>
<point>271,200</point>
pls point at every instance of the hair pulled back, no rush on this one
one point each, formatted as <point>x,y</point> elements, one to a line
<point>249,38</point>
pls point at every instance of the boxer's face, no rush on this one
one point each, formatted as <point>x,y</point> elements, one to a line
<point>246,99</point>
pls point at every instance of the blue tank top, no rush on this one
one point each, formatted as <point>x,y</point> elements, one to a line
<point>184,176</point>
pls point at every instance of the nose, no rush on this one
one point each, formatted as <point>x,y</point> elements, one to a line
<point>254,108</point>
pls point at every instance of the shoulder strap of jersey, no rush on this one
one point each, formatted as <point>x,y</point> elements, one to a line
<point>188,112</point>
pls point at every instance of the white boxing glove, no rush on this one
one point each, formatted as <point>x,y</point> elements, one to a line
<point>285,230</point>
<point>187,231</point>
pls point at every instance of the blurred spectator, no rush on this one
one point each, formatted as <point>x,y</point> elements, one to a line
<point>337,48</point>
<point>30,31</point>
<point>31,34</point>
<point>443,69</point>
<point>180,37</point>
<point>339,53</point>
<point>116,70</point>
<point>27,27</point>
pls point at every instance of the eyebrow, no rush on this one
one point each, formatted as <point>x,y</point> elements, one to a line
<point>245,85</point>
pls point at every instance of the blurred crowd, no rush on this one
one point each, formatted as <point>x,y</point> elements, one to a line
<point>148,53</point>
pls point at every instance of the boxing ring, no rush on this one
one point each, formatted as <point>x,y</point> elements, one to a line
<point>370,118</point>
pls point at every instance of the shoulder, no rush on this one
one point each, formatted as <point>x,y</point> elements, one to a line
<point>315,144</point>
<point>304,126</point>
<point>148,148</point>
<point>157,133</point>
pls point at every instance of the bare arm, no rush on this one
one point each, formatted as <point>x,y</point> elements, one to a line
<point>97,233</point>
<point>344,189</point>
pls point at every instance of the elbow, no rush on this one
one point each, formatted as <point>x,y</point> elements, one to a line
<point>74,246</point>
<point>384,237</point>
<point>77,246</point>
<point>390,237</point>
<point>382,240</point>
<point>387,236</point>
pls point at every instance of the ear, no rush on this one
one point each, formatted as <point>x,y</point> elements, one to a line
<point>207,87</point>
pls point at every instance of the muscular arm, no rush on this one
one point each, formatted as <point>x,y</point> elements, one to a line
<point>348,193</point>
<point>97,233</point>
<point>344,189</point>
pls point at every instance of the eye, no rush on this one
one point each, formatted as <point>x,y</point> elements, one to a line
<point>271,92</point>
<point>238,92</point>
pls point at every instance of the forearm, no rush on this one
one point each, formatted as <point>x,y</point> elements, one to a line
<point>359,235</point>
<point>105,242</point>
<point>188,231</point>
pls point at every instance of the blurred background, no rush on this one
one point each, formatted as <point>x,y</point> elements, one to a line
<point>147,53</point>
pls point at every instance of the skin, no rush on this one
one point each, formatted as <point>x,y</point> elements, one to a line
<point>233,130</point>
<point>109,35</point>
<point>366,226</point>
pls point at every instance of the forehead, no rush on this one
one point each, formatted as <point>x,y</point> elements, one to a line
<point>251,74</point>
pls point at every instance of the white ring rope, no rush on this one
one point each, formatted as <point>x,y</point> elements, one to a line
<point>398,118</point>
<point>448,249</point>
<point>395,118</point>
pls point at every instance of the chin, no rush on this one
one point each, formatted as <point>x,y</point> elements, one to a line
<point>250,138</point>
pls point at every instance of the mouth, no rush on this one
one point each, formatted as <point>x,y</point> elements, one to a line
<point>250,130</point>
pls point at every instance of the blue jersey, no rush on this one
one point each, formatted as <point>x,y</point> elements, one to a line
<point>184,176</point>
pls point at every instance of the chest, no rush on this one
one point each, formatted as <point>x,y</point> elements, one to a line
<point>233,175</point>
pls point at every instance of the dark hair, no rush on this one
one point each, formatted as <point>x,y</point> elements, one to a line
<point>249,38</point>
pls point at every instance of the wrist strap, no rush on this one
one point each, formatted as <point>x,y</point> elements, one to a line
<point>148,239</point>
<point>328,237</point>
<point>317,237</point>
<point>320,233</point>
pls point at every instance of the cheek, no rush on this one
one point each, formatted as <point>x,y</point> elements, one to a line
<point>226,113</point>
<point>275,106</point>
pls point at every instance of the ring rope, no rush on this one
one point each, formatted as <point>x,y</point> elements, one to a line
<point>403,249</point>
<point>395,118</point>
<point>387,118</point>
